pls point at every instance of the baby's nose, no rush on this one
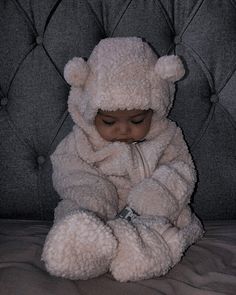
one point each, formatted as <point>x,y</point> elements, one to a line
<point>124,128</point>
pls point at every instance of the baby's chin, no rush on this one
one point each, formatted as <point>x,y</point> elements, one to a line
<point>128,141</point>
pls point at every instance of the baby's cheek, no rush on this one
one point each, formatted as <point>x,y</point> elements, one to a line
<point>140,132</point>
<point>105,133</point>
<point>111,134</point>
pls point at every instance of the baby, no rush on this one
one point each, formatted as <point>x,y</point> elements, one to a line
<point>124,173</point>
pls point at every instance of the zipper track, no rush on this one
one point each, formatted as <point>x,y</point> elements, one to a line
<point>146,168</point>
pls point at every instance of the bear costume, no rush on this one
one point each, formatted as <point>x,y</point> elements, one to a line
<point>96,179</point>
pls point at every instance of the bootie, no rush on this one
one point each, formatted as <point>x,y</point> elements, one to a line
<point>142,253</point>
<point>80,246</point>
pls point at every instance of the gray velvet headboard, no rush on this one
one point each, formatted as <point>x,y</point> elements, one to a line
<point>37,38</point>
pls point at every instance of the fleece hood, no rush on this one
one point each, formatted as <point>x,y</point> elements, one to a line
<point>121,73</point>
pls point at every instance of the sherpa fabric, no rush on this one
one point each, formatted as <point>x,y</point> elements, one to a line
<point>126,72</point>
<point>96,179</point>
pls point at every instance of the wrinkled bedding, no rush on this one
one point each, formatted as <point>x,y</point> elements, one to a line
<point>208,267</point>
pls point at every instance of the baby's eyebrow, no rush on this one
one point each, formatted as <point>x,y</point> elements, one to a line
<point>144,112</point>
<point>106,115</point>
<point>140,114</point>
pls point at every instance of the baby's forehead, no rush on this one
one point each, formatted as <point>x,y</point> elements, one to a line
<point>122,113</point>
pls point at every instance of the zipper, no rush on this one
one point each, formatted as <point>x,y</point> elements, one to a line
<point>145,170</point>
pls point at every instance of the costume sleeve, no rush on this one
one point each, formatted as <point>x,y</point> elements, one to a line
<point>167,192</point>
<point>80,183</point>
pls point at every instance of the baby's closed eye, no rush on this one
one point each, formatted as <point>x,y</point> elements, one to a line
<point>137,121</point>
<point>108,122</point>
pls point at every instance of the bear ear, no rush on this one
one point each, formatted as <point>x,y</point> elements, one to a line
<point>170,68</point>
<point>76,71</point>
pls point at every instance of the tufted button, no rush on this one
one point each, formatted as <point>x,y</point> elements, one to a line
<point>177,39</point>
<point>41,160</point>
<point>39,40</point>
<point>4,101</point>
<point>214,98</point>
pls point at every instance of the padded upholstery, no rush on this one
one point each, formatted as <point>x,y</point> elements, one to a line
<point>37,38</point>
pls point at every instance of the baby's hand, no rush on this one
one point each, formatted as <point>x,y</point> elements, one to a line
<point>151,198</point>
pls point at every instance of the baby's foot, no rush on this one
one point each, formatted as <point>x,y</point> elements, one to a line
<point>80,246</point>
<point>141,253</point>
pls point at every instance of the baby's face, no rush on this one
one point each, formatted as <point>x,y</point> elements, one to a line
<point>125,126</point>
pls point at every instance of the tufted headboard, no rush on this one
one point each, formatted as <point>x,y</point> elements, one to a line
<point>37,38</point>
